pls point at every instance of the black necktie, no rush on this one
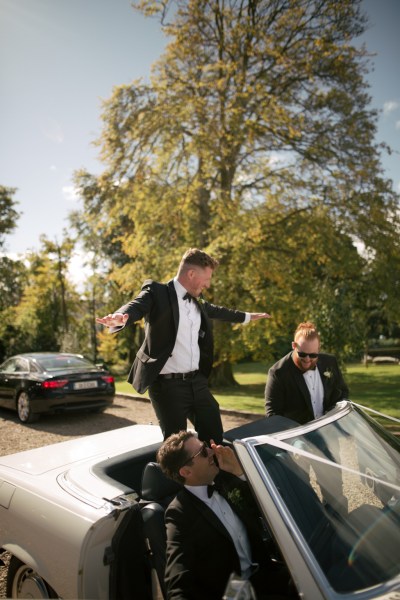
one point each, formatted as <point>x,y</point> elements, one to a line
<point>187,296</point>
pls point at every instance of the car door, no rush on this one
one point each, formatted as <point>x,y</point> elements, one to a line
<point>8,382</point>
<point>114,558</point>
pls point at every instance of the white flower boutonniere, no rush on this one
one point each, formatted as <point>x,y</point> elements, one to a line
<point>328,374</point>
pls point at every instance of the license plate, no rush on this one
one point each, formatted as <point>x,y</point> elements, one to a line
<point>85,385</point>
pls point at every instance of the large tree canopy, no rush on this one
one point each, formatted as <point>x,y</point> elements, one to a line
<point>254,139</point>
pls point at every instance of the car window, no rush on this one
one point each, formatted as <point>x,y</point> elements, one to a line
<point>22,365</point>
<point>64,361</point>
<point>340,485</point>
<point>10,366</point>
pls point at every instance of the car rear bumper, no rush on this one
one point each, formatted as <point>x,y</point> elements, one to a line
<point>72,402</point>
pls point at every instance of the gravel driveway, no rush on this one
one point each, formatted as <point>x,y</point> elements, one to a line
<point>126,410</point>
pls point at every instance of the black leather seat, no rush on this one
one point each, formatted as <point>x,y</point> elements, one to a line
<point>157,493</point>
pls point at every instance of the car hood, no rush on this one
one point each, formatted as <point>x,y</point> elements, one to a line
<point>73,453</point>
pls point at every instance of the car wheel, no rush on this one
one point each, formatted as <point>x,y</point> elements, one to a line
<point>24,582</point>
<point>24,408</point>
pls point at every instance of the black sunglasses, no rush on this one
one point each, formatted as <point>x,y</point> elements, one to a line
<point>202,452</point>
<point>305,354</point>
<point>310,354</point>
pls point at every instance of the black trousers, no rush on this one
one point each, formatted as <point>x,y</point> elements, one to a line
<point>177,400</point>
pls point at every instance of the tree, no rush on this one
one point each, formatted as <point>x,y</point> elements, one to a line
<point>45,314</point>
<point>61,255</point>
<point>256,127</point>
<point>8,214</point>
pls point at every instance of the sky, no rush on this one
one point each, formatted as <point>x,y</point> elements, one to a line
<point>60,58</point>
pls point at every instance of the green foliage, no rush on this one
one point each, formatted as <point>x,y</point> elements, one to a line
<point>8,214</point>
<point>254,140</point>
<point>44,315</point>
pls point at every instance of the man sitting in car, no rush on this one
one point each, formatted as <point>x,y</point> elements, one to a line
<point>213,527</point>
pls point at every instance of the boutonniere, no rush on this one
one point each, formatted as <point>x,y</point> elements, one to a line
<point>235,497</point>
<point>328,374</point>
<point>200,300</point>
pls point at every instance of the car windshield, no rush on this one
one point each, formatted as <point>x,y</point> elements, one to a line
<point>349,516</point>
<point>63,361</point>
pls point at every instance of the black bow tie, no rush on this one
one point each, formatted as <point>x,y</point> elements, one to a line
<point>210,490</point>
<point>187,296</point>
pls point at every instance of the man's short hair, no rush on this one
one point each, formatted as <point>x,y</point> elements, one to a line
<point>172,455</point>
<point>307,330</point>
<point>197,258</point>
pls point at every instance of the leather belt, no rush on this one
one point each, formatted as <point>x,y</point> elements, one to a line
<point>183,376</point>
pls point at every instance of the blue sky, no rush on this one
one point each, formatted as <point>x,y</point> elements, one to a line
<point>59,58</point>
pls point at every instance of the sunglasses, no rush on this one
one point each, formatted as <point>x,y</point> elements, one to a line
<point>202,452</point>
<point>305,354</point>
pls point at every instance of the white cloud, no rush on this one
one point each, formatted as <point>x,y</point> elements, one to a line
<point>390,106</point>
<point>70,193</point>
<point>397,124</point>
<point>78,270</point>
<point>12,255</point>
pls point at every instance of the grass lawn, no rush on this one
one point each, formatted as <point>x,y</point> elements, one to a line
<point>377,386</point>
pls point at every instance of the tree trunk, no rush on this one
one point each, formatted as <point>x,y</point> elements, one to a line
<point>222,376</point>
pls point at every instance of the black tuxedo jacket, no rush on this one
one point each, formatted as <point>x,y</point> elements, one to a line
<point>200,552</point>
<point>158,304</point>
<point>287,394</point>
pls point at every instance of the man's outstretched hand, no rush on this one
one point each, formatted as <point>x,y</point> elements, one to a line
<point>257,316</point>
<point>114,320</point>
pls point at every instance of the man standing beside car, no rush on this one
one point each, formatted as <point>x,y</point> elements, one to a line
<point>305,383</point>
<point>176,357</point>
<point>302,386</point>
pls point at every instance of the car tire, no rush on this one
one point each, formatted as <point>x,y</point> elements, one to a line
<point>24,582</point>
<point>24,408</point>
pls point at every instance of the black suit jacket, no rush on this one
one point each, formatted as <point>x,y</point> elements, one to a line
<point>158,304</point>
<point>200,552</point>
<point>287,394</point>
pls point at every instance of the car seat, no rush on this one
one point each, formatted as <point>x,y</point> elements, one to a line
<point>157,492</point>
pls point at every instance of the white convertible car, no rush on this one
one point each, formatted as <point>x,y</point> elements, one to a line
<point>84,518</point>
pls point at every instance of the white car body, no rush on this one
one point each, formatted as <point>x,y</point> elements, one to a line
<point>59,517</point>
<point>64,508</point>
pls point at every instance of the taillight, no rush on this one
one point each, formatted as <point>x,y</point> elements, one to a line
<point>54,383</point>
<point>108,378</point>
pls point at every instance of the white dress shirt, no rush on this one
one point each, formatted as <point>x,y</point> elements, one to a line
<point>186,353</point>
<point>316,389</point>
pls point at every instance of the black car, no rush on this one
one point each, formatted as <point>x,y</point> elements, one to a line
<point>50,382</point>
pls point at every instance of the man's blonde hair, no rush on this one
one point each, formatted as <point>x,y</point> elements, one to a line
<point>197,258</point>
<point>307,330</point>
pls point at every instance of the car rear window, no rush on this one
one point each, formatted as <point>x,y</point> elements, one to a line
<point>54,363</point>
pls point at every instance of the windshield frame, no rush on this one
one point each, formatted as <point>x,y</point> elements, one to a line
<point>279,516</point>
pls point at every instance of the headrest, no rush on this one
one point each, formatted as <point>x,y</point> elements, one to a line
<point>155,485</point>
